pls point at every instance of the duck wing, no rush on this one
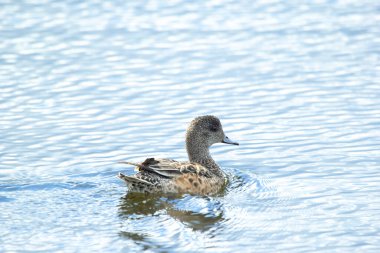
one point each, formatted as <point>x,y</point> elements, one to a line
<point>169,168</point>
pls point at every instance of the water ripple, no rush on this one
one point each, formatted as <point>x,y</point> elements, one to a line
<point>84,85</point>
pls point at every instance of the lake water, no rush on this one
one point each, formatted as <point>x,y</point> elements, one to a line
<point>84,85</point>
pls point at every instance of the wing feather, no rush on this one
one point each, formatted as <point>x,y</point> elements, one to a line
<point>169,168</point>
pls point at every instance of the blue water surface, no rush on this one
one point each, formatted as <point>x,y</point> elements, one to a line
<point>85,84</point>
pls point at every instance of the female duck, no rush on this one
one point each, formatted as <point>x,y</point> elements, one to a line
<point>201,175</point>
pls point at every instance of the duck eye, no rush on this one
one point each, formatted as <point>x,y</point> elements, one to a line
<point>213,128</point>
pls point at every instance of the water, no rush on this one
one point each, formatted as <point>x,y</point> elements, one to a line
<point>86,84</point>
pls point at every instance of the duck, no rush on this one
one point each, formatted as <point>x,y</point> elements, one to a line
<point>201,175</point>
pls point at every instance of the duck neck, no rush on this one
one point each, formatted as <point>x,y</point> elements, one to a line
<point>199,153</point>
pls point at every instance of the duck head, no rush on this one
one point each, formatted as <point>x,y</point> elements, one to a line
<point>206,131</point>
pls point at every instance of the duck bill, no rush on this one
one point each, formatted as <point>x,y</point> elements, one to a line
<point>229,141</point>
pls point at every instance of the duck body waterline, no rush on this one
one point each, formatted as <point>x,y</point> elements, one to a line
<point>200,175</point>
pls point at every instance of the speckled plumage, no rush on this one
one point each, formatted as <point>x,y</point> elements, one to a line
<point>200,175</point>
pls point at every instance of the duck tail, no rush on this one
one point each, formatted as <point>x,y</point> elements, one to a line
<point>130,163</point>
<point>137,165</point>
<point>130,180</point>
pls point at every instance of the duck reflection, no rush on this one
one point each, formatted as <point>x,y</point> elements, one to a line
<point>139,239</point>
<point>134,205</point>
